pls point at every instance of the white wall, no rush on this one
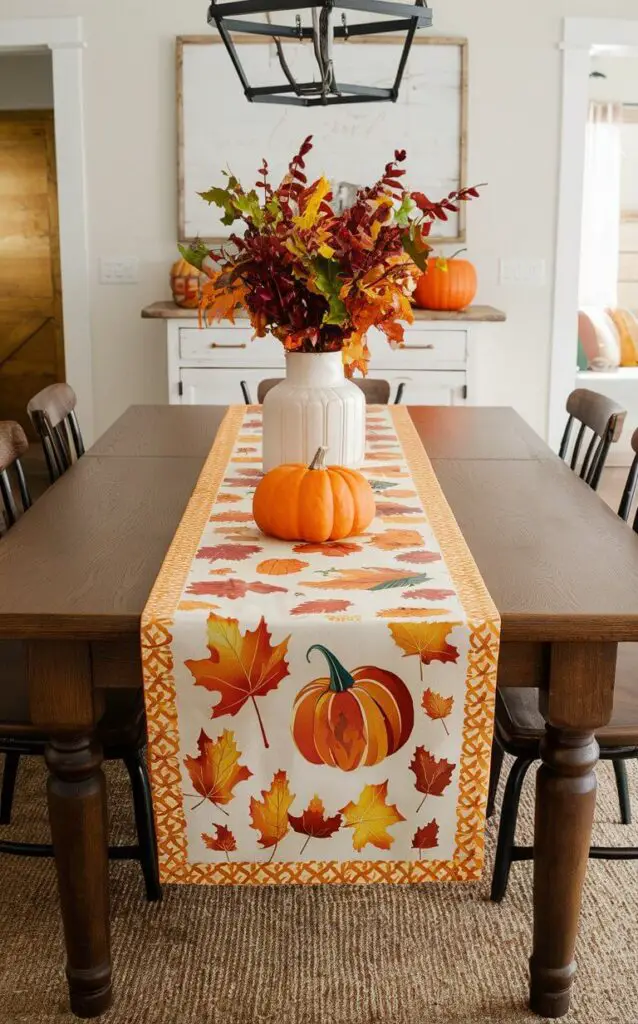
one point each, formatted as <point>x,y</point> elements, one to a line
<point>514,123</point>
<point>26,81</point>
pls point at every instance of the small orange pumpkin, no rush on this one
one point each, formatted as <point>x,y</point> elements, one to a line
<point>186,283</point>
<point>447,284</point>
<point>313,503</point>
<point>351,718</point>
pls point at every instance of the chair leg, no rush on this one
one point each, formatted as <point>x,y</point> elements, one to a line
<point>507,828</point>
<point>144,823</point>
<point>495,776</point>
<point>622,785</point>
<point>11,762</point>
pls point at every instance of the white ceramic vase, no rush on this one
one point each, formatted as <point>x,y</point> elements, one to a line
<point>314,405</point>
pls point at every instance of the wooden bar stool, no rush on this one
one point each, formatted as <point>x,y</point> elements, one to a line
<point>52,412</point>
<point>377,392</point>
<point>519,729</point>
<point>122,729</point>
<point>599,415</point>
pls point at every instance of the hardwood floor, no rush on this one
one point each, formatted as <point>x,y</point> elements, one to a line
<point>611,485</point>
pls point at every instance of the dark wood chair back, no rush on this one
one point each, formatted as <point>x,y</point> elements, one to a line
<point>52,412</point>
<point>377,392</point>
<point>13,445</point>
<point>629,492</point>
<point>603,419</point>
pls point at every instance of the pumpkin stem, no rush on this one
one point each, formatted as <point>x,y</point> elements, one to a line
<point>319,461</point>
<point>340,678</point>
<point>457,253</point>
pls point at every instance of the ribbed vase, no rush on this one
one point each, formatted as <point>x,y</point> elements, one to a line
<point>314,405</point>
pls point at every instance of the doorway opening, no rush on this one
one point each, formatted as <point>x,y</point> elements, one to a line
<point>31,320</point>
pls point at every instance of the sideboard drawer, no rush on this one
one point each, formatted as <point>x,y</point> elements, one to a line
<point>228,346</point>
<point>422,350</point>
<point>211,386</point>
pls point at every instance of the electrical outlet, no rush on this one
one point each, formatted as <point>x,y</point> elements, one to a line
<point>528,272</point>
<point>122,271</point>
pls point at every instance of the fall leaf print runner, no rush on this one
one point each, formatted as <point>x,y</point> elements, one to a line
<point>320,712</point>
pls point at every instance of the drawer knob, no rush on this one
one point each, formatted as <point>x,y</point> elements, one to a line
<point>215,344</point>
<point>412,347</point>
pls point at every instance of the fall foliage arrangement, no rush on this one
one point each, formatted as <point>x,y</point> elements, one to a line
<point>319,280</point>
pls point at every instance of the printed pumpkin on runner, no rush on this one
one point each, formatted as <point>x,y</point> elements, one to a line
<point>349,719</point>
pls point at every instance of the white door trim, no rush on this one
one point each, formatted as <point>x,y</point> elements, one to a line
<point>581,38</point>
<point>65,38</point>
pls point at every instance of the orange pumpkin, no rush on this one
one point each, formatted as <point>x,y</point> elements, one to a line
<point>447,284</point>
<point>351,718</point>
<point>186,284</point>
<point>313,503</point>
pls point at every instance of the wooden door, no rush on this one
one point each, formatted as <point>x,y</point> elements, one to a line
<point>31,343</point>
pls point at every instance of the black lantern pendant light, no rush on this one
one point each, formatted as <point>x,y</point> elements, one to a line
<point>320,33</point>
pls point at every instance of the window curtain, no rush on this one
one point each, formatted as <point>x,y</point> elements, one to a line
<point>599,258</point>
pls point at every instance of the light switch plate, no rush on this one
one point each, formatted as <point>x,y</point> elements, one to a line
<point>529,272</point>
<point>122,271</point>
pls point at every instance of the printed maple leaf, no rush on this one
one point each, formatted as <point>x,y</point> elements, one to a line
<point>418,557</point>
<point>240,481</point>
<point>368,579</point>
<point>216,770</point>
<point>426,640</point>
<point>247,470</point>
<point>394,508</point>
<point>317,607</point>
<point>239,668</point>
<point>227,498</point>
<point>437,707</point>
<point>270,814</point>
<point>394,540</point>
<point>371,817</point>
<point>313,823</point>
<point>380,456</point>
<point>228,552</point>
<point>232,588</point>
<point>426,837</point>
<point>231,517</point>
<point>336,549</point>
<point>433,775</point>
<point>428,594</point>
<point>242,533</point>
<point>411,613</point>
<point>222,840</point>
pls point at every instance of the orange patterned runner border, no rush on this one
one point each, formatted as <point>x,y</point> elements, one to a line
<point>163,734</point>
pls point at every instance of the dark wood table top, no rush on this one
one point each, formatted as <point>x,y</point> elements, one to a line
<point>558,562</point>
<point>448,432</point>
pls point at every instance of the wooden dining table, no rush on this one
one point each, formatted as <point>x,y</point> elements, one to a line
<point>76,571</point>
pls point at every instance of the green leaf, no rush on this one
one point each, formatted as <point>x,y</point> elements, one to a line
<point>328,281</point>
<point>402,214</point>
<point>194,254</point>
<point>416,247</point>
<point>221,197</point>
<point>248,205</point>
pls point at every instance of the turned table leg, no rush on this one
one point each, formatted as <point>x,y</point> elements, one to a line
<point>578,701</point>
<point>63,703</point>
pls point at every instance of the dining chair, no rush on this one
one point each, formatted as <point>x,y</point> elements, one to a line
<point>377,392</point>
<point>13,445</point>
<point>52,413</point>
<point>519,728</point>
<point>122,729</point>
<point>600,422</point>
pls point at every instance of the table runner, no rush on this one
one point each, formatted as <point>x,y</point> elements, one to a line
<point>320,712</point>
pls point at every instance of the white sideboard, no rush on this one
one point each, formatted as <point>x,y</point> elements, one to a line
<point>206,365</point>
